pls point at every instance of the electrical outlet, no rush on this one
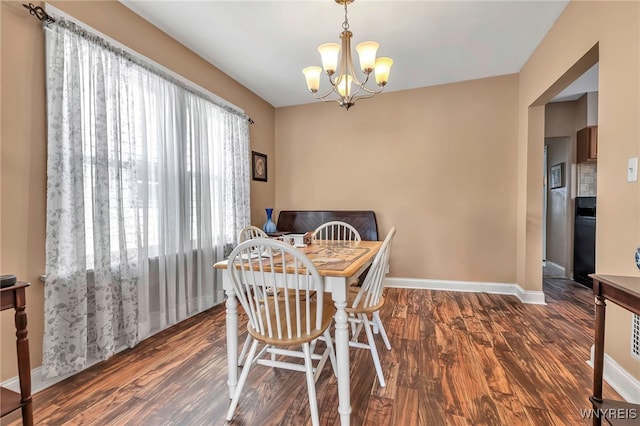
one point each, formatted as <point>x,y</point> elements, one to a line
<point>386,270</point>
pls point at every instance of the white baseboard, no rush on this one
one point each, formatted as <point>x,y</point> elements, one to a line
<point>525,296</point>
<point>37,382</point>
<point>624,383</point>
<point>555,265</point>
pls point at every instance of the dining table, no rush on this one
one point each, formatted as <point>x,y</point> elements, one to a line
<point>340,263</point>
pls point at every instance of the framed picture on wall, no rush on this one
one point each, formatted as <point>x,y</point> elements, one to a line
<point>259,166</point>
<point>556,176</point>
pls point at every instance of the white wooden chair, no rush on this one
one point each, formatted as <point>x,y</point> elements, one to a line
<point>249,232</point>
<point>336,230</point>
<point>368,300</point>
<point>289,317</point>
<point>342,231</point>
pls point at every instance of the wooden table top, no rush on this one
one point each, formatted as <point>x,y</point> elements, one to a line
<point>631,284</point>
<point>335,258</point>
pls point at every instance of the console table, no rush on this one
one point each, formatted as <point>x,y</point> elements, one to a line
<point>624,292</point>
<point>15,297</point>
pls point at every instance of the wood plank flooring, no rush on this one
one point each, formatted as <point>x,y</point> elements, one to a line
<point>457,359</point>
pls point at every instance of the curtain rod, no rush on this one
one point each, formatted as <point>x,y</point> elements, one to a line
<point>39,13</point>
<point>43,16</point>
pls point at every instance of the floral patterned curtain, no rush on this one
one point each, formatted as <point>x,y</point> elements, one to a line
<point>147,186</point>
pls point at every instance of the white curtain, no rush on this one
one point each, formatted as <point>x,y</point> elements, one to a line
<point>147,187</point>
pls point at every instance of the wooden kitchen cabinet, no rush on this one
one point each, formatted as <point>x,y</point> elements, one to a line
<point>587,144</point>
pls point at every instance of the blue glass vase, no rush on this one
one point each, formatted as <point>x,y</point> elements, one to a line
<point>269,227</point>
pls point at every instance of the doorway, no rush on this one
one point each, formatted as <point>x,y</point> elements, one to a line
<point>567,116</point>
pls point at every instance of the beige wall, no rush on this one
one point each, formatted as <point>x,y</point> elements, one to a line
<point>438,163</point>
<point>23,150</point>
<point>560,119</point>
<point>582,109</point>
<point>615,27</point>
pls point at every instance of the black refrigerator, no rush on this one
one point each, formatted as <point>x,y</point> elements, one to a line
<point>584,240</point>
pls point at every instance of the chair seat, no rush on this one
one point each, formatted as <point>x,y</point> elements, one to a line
<point>328,311</point>
<point>292,294</point>
<point>351,297</point>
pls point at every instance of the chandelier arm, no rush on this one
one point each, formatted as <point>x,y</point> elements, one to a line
<point>372,91</point>
<point>358,90</point>
<point>356,98</point>
<point>331,81</point>
<point>361,93</point>
<point>362,87</point>
<point>321,97</point>
<point>355,80</point>
<point>338,101</point>
<point>352,71</point>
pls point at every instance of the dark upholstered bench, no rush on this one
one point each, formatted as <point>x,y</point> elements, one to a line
<point>301,221</point>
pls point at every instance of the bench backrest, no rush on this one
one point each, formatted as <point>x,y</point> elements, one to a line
<point>301,221</point>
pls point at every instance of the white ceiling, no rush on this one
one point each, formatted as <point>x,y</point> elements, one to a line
<point>265,44</point>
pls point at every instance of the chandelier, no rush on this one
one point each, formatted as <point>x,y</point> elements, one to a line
<point>346,88</point>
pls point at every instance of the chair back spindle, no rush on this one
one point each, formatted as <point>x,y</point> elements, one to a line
<point>373,285</point>
<point>336,230</point>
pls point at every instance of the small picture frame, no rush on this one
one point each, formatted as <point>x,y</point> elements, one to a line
<point>259,166</point>
<point>556,176</point>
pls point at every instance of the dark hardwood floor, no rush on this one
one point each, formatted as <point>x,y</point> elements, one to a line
<point>457,359</point>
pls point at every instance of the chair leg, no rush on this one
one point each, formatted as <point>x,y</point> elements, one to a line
<point>353,327</point>
<point>242,379</point>
<point>383,332</point>
<point>356,326</point>
<point>332,352</point>
<point>245,347</point>
<point>311,385</point>
<point>373,349</point>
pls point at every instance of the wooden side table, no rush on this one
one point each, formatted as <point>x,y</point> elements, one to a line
<point>15,297</point>
<point>624,292</point>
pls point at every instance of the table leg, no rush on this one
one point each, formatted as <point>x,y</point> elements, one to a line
<point>24,366</point>
<point>232,342</point>
<point>342,355</point>
<point>598,356</point>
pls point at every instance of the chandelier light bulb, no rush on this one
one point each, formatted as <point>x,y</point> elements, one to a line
<point>367,53</point>
<point>382,69</point>
<point>312,74</point>
<point>329,55</point>
<point>343,83</point>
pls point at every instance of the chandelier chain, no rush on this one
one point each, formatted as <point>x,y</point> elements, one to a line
<point>345,24</point>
